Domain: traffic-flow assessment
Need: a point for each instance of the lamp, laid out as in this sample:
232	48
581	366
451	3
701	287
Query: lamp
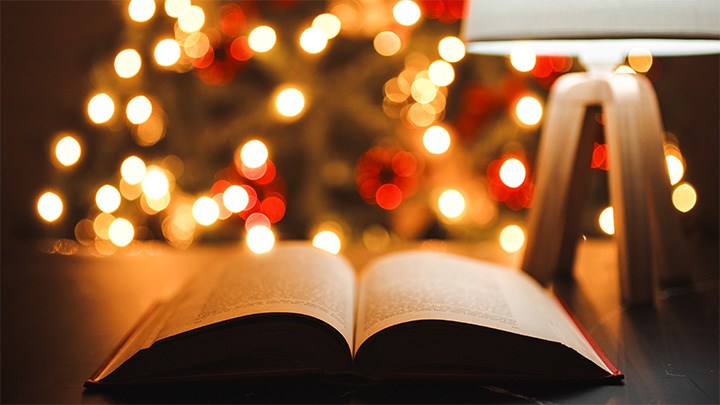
600	33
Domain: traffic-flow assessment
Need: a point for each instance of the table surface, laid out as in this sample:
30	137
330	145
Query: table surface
62	314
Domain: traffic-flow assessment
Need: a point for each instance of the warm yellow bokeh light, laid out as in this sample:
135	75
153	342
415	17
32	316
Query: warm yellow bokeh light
512	238
196	44
529	110
205	211
313	40
436	140
406	12
640	59
49	206
101	224
684	197
676	169
101	108
192	19
108	199
133	170
512	173
254	154
260	239
387	43
67	150
235	198
328	23
155	184
441	73
167	52
452	49
423	90
138	110
606	220
451	204
121	232
262	39
141	10
175	8
624	69
328	241
290	102
522	59
152	206
127	63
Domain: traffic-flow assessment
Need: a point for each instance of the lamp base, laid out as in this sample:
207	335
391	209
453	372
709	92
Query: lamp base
647	229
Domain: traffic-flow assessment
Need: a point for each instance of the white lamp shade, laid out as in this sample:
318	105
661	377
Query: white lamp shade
577	27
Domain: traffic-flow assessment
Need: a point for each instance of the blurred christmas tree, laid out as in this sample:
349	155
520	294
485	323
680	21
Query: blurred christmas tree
362	118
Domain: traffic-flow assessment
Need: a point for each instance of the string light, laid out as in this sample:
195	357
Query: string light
529	110
328	241
522	59
121	232
107	199
676	169
127	63
167	52
441	73
155	184
254	154
387	43
50	206
67	151
236	198
328	23
452	49
512	173
192	19
141	10
260	239
423	90
606	220
138	110
436	140
684	197
262	39
205	211
313	40
406	12
175	8
512	238
133	170
290	102
640	59
101	108
451	204
624	69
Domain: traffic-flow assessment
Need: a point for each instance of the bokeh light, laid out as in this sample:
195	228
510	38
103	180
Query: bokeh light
606	220
290	102
133	170
624	69
127	63
192	19
101	224
167	52
313	40
141	10
328	241
684	197
254	154
121	232
423	90
640	59
67	150
512	238
175	8
529	110
262	39
452	49
451	204
512	173
522	59
406	12
441	73
205	211
260	239
236	198
388	196
676	169
101	108
138	110
108	199
387	43
50	206
328	23
155	184
436	140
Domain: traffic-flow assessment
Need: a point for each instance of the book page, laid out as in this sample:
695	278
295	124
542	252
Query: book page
424	285
294	278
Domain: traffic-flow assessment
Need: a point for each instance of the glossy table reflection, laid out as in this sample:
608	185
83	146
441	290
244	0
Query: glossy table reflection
61	315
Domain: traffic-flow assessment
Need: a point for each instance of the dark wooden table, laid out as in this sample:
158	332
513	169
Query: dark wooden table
62	314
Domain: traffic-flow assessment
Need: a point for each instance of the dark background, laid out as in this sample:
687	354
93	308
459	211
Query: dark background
49	47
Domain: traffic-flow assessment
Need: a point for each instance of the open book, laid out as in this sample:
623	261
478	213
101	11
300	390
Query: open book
298	310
